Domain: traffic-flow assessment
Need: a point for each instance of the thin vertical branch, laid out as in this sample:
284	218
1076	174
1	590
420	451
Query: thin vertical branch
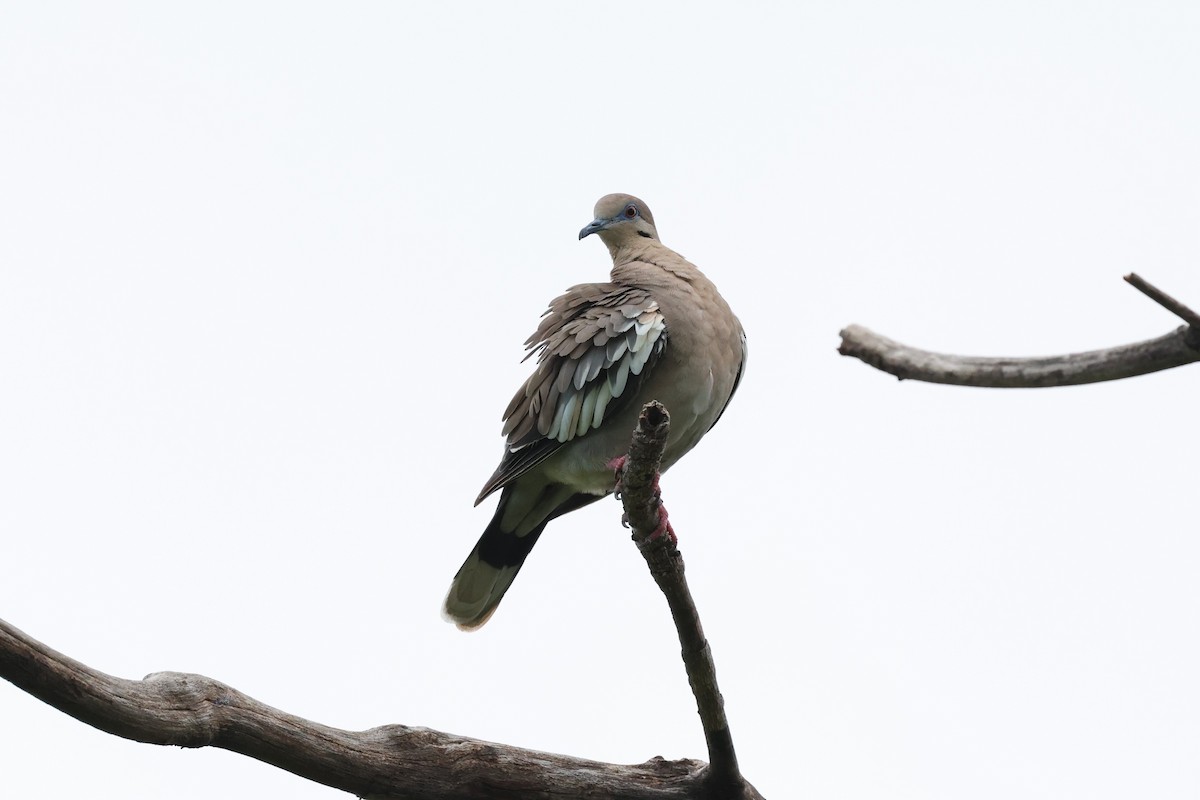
640	497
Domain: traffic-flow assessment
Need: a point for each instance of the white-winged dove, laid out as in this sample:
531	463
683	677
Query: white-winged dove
658	330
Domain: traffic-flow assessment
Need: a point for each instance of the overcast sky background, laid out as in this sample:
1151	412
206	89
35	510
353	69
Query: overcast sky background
266	269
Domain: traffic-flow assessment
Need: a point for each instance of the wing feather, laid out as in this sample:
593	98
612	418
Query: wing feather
602	394
618	377
594	346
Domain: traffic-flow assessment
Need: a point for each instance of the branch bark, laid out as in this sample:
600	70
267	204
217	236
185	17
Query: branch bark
1179	347
391	762
398	762
641	500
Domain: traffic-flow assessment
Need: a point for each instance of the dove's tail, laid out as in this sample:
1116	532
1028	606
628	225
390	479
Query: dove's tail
493	564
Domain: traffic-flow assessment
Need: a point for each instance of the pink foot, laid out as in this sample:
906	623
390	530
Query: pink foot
617	465
664	527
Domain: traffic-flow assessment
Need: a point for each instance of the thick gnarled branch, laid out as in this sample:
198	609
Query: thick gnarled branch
642	504
1181	346
397	761
392	761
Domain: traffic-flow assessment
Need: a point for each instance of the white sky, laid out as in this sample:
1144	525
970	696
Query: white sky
266	269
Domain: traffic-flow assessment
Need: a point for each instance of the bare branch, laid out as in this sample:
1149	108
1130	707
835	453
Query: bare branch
1163	299
640	497
1181	346
911	363
392	761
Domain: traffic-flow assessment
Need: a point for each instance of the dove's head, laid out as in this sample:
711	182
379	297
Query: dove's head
621	219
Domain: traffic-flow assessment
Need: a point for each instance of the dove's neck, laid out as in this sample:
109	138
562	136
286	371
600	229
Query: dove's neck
650	262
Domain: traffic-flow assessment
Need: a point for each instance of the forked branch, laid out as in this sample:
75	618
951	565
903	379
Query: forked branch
1181	346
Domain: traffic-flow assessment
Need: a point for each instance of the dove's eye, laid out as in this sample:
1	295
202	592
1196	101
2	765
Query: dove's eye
630	211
